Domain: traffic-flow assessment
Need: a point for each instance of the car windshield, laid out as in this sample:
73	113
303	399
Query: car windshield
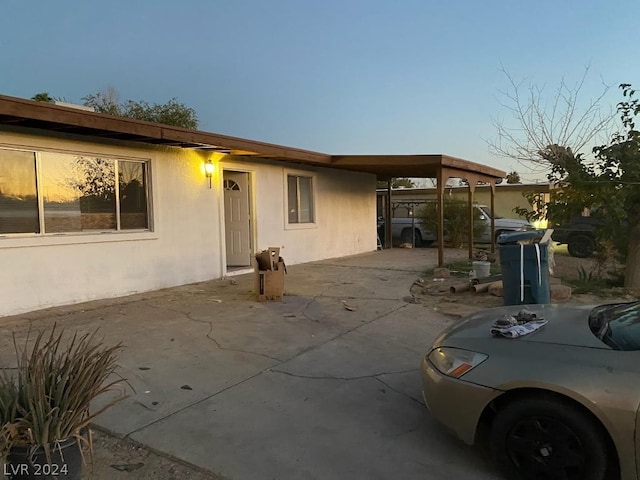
617	325
487	211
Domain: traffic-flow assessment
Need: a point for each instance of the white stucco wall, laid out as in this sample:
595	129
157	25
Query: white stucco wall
187	241
345	211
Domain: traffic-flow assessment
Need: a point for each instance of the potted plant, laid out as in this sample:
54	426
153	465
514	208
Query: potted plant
44	403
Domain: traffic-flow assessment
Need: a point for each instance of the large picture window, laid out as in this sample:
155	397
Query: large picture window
49	192
300	199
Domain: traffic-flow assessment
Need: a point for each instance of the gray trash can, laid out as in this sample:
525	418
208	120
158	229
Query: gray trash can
525	268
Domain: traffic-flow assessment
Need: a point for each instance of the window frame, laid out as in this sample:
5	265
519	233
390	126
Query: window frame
314	204
8	239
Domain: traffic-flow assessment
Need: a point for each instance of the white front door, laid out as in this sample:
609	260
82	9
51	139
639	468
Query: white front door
237	222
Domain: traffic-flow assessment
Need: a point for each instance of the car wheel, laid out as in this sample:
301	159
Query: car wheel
543	438
405	237
581	245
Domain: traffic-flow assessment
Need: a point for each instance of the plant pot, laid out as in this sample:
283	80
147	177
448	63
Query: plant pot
66	463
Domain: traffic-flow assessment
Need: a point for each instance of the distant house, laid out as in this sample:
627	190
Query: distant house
508	196
94	206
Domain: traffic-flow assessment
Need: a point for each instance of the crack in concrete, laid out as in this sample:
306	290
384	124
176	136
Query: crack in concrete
333	377
304	310
197	402
418	401
216	343
257	374
375	376
387	299
384	269
340	335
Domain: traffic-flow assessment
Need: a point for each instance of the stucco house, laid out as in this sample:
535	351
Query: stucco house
94	206
507	196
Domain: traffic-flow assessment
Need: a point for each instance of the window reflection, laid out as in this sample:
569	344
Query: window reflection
133	195
78	193
300	199
306	200
18	194
292	192
71	193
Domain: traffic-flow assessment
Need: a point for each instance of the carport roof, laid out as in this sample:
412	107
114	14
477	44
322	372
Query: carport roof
427	166
18	112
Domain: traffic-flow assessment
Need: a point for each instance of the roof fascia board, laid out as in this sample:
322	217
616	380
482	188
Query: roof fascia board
61	115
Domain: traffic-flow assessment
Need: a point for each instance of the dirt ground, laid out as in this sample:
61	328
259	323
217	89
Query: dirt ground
118	459
436	294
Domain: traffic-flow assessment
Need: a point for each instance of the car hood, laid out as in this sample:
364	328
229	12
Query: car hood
512	223
567	325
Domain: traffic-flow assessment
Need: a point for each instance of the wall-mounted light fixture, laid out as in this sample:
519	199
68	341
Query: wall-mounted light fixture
208	170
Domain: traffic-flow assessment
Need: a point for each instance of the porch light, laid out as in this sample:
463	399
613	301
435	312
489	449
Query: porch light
208	170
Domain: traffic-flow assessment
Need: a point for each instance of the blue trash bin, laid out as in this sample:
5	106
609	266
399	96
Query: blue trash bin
525	268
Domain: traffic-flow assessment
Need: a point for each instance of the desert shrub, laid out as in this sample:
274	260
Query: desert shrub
456	220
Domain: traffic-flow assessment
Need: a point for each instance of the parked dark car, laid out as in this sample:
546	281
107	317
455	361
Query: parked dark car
578	235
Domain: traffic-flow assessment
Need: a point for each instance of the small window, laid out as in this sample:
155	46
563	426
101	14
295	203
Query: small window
231	185
132	186
300	199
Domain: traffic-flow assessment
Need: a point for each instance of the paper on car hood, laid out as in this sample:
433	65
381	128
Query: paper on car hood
567	325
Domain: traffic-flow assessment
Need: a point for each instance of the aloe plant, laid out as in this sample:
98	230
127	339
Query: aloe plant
45	399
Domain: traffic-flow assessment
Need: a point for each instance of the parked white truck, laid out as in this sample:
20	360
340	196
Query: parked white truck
410	230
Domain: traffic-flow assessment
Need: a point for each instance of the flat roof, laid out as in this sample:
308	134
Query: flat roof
409	191
22	113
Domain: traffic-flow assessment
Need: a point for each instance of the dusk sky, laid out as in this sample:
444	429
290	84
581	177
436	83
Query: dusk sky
340	77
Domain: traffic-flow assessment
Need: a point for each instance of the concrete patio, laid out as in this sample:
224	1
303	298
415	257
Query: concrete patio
303	389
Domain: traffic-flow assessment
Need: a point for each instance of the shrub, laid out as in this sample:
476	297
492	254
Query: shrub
456	220
46	399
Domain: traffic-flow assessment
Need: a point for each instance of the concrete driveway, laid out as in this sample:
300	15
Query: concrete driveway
303	389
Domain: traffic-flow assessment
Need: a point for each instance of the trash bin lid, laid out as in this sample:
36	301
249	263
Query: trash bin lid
512	238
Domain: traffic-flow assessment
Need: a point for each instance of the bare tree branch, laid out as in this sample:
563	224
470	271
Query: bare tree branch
532	124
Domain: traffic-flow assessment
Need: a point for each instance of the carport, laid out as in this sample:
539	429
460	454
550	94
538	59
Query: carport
440	167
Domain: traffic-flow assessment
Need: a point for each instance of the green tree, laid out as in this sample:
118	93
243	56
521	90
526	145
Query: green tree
614	184
106	101
43	97
169	113
513	177
609	186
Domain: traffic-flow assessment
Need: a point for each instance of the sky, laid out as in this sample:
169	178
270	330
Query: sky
333	76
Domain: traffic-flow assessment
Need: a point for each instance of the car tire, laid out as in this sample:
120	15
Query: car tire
543	437
405	237
581	245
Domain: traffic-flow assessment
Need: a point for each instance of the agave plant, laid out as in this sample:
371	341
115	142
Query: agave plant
45	399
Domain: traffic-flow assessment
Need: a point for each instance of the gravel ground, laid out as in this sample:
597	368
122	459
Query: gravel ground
117	459
435	294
